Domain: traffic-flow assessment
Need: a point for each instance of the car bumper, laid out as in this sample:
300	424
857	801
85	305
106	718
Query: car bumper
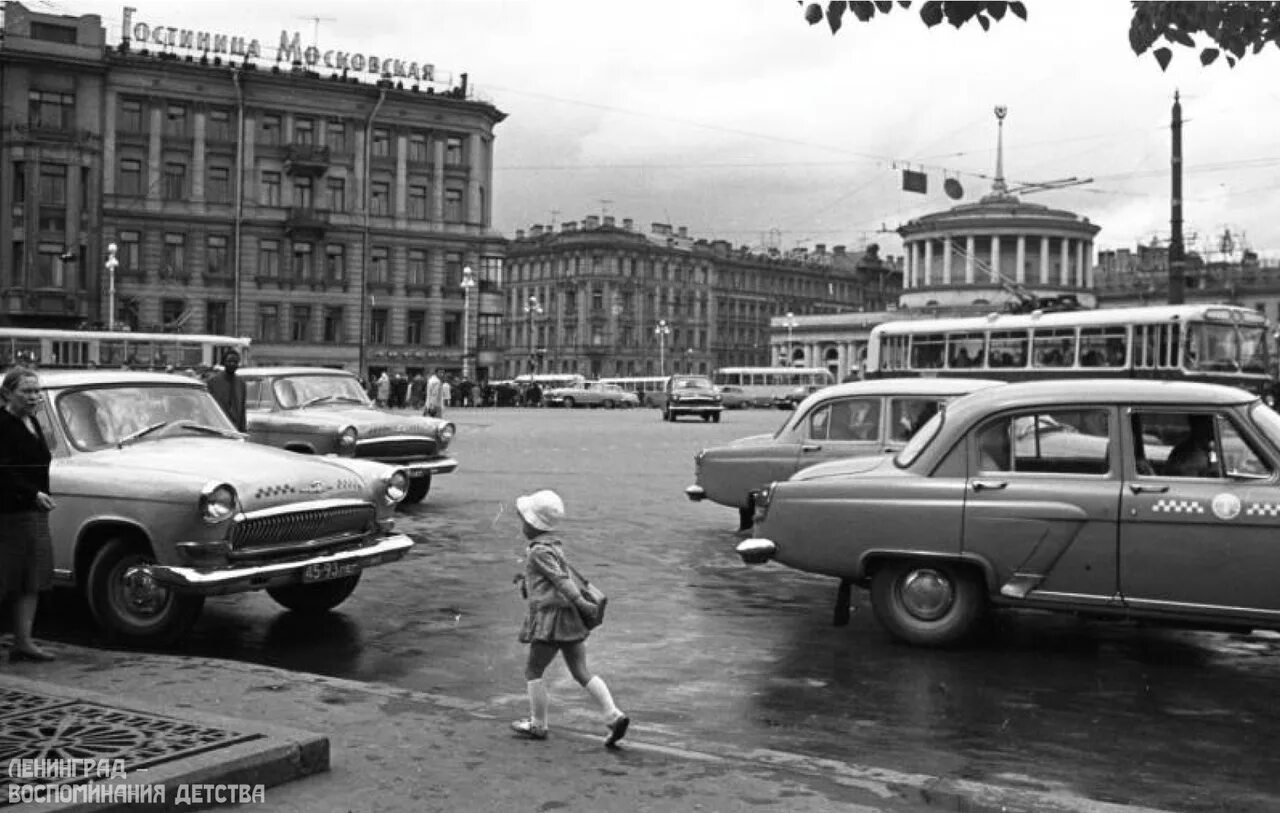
699	409
239	579
442	466
756	551
696	493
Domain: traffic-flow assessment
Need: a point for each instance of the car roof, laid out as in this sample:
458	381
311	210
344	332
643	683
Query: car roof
277	371
58	379
1101	391
909	386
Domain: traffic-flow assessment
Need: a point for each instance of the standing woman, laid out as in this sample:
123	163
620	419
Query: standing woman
26	552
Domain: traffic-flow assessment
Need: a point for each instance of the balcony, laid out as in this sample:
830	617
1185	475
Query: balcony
307	160
306	222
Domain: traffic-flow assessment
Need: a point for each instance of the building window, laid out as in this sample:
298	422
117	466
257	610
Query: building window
335	266
418	202
130	252
269	259
218	189
215	255
452	329
269	323
304	132
336	135
379	267
271	189
174	261
378	326
175	123
381	143
415	330
491	273
19	182
333	333
51	111
302	193
175	181
417	267
131	177
49	32
172	312
337	194
300	323
50	271
418	149
131	120
380	198
269	132
453	205
453	150
302	261
218	125
215	318
53	184
452	271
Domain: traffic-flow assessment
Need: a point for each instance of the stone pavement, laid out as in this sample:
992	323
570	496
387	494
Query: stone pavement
396	750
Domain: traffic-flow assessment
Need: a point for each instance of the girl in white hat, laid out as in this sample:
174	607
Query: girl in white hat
553	623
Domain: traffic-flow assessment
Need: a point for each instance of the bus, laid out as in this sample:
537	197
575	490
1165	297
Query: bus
62	349
651	389
764	385
1220	344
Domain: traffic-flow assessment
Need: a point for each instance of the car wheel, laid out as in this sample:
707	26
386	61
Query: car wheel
927	603
706	418
666	415
609	405
315	598
418	488
715	417
568	403
130	606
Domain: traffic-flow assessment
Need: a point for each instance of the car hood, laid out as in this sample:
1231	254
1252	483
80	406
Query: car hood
877	464
369	422
261	475
753	440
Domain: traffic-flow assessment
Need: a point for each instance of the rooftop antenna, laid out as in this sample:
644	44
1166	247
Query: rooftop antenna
554	214
315	39
604	206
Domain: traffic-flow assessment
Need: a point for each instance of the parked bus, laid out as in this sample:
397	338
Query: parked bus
1221	344
49	349
651	389
763	385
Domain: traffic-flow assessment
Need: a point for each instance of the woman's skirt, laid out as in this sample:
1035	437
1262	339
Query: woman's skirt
555	625
26	554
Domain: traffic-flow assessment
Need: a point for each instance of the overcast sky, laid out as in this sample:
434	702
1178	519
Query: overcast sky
737	119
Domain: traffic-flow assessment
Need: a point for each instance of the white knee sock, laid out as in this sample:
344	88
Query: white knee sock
539	702
600	692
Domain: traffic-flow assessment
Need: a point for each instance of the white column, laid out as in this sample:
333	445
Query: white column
1021	273
946	260
1044	259
1080	272
1088	264
928	261
475	155
968	260
906	266
1065	271
995	257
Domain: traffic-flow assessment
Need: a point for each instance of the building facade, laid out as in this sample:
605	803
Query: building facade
607	299
1140	276
326	217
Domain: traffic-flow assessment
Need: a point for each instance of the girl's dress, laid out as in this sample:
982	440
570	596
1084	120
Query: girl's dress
552	616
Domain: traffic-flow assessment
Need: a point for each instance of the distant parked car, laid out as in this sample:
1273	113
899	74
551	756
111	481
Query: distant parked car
161	502
590	394
1145	500
691	395
315	410
732	397
789	399
845	420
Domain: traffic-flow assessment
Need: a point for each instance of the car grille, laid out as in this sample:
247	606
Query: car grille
396	448
304	525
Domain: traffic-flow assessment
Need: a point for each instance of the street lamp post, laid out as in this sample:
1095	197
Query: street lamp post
112	264
790	322
531	309
468	282
662	330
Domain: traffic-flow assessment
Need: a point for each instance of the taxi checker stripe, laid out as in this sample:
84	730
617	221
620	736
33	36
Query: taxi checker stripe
1256	509
1178	506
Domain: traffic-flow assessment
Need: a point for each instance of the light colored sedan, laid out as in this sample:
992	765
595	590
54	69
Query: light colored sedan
846	420
734	397
591	394
161	502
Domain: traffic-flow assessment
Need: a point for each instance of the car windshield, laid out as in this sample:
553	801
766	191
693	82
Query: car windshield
920	440
693	384
102	417
309	390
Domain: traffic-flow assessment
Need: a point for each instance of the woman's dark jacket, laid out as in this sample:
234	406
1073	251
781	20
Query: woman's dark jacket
24	465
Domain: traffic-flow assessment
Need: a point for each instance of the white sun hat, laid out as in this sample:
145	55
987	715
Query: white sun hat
541	509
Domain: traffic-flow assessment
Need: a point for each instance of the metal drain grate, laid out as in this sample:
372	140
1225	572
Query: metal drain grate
36	727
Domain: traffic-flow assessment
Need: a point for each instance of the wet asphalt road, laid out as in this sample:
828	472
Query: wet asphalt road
701	648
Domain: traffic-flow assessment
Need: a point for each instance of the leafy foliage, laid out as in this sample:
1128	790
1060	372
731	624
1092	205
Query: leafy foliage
1235	28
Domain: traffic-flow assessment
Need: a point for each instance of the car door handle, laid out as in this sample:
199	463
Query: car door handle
989	485
811	447
1139	488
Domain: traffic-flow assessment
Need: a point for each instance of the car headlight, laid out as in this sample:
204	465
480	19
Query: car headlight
715	399
445	434
347	441
217	502
396	486
760	499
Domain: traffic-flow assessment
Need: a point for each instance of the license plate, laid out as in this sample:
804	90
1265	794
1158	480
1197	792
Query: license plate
326	571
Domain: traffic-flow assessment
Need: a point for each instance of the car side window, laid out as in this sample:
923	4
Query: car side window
818	421
1176	444
1239	457
909	414
253	394
854	419
1047	442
